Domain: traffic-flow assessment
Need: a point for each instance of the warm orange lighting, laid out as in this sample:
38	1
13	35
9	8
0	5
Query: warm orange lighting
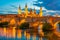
28	36
26	11
5	31
19	10
41	13
22	21
55	25
9	33
12	22
13	32
19	33
35	24
24	33
34	37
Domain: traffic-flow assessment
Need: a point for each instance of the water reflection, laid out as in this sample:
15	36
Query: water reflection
17	34
14	34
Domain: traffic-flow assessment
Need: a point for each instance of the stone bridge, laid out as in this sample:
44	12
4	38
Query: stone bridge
36	21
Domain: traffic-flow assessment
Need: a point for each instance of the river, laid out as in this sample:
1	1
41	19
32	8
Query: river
13	34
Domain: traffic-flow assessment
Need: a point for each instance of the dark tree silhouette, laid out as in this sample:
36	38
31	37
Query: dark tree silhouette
24	26
48	31
4	24
47	28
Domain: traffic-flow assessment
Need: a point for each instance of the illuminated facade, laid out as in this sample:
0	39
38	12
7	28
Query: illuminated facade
27	16
35	20
31	13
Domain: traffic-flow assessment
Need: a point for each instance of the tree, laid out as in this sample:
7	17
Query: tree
48	30
4	24
24	26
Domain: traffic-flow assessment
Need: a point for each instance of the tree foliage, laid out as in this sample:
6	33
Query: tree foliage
48	31
47	28
24	26
4	24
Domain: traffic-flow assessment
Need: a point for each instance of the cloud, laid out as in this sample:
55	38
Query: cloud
49	4
7	12
41	2
13	6
50	11
50	7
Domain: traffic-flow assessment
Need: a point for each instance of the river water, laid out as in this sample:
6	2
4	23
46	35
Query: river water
13	34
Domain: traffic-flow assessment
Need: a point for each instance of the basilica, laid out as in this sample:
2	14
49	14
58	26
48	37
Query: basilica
31	13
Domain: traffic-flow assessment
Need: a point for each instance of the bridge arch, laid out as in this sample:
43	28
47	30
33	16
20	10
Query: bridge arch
21	21
56	25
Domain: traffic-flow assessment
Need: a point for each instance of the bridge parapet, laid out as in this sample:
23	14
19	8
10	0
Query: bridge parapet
56	19
35	19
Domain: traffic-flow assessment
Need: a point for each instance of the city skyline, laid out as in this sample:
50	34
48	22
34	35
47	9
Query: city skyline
11	6
29	19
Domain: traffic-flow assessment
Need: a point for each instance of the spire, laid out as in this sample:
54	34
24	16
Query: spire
26	11
19	10
34	11
26	6
30	11
41	13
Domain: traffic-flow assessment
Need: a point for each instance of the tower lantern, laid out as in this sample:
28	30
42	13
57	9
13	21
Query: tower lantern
34	11
26	11
41	13
19	10
30	11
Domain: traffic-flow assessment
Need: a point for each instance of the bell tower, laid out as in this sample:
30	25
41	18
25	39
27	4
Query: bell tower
26	11
34	11
19	10
30	11
41	13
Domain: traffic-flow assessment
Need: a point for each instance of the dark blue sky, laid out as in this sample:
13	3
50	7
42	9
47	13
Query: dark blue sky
11	6
49	4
